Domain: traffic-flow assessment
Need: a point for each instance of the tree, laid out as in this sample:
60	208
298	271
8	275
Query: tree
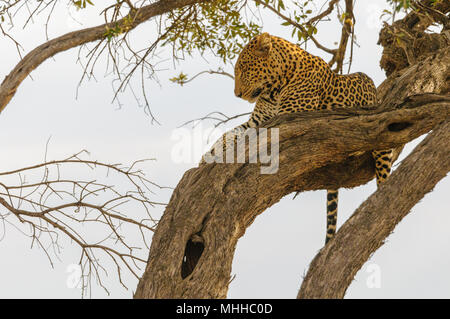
415	61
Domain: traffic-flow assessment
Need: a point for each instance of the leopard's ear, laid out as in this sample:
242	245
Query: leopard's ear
263	45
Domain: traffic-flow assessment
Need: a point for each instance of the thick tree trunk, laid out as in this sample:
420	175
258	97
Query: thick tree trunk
334	268
213	205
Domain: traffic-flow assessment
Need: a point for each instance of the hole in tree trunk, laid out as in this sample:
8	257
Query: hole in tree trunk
397	127
192	253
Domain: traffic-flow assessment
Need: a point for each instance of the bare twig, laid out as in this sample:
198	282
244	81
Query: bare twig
297	25
53	206
78	38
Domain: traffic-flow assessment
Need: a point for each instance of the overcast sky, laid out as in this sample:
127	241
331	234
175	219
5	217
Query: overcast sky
276	250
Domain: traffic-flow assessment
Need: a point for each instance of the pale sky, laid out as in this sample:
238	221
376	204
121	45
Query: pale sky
276	250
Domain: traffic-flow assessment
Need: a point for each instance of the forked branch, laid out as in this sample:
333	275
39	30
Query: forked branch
96	215
214	204
77	38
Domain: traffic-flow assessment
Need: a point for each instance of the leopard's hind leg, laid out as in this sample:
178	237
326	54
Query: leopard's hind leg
383	165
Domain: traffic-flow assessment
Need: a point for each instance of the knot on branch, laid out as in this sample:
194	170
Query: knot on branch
402	49
407	41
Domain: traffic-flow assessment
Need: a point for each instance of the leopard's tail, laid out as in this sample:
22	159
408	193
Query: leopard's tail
332	202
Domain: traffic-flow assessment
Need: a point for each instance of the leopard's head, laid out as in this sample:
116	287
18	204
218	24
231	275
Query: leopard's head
256	70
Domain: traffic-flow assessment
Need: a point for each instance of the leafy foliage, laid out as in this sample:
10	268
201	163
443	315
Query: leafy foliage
81	4
180	79
299	13
218	27
119	28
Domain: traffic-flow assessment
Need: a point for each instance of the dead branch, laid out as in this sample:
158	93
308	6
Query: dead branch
52	206
218	117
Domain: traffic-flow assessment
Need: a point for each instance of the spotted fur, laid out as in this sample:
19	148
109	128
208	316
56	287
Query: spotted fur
283	78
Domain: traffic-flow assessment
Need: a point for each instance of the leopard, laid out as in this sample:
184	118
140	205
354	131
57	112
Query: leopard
280	77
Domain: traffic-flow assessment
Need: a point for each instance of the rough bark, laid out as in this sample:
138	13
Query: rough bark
417	63
214	204
430	75
334	268
73	39
405	42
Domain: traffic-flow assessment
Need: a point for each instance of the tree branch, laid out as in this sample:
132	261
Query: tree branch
333	269
297	25
348	20
405	41
73	39
320	16
48	207
214	204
